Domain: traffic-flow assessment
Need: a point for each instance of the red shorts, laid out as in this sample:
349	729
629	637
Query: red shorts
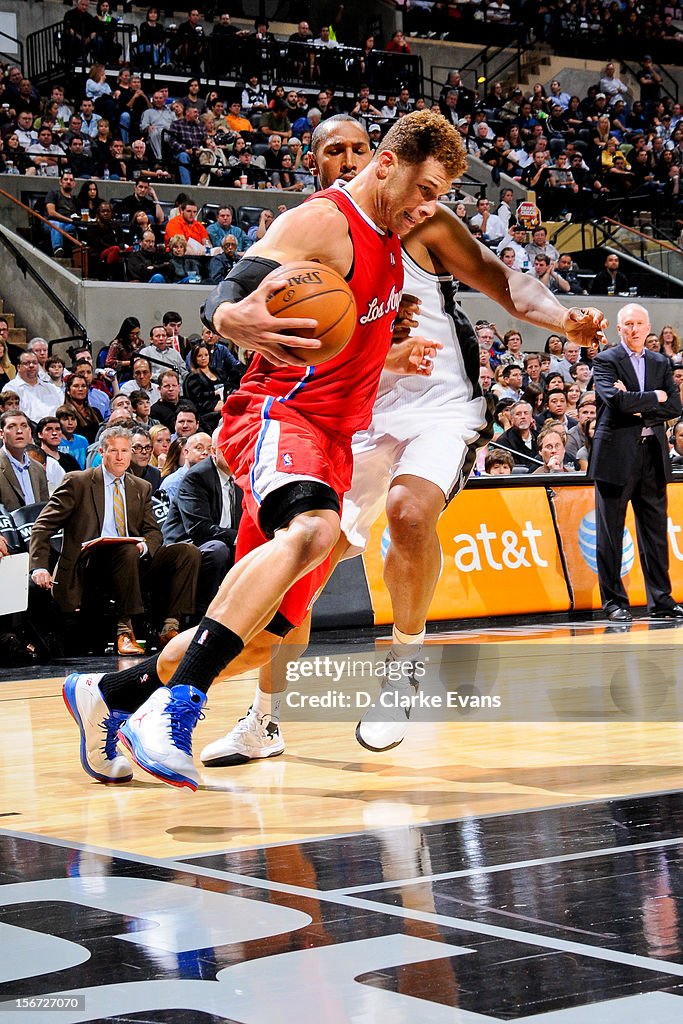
267	446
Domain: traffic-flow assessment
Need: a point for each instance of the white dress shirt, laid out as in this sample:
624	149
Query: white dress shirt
109	522
35	400
21	471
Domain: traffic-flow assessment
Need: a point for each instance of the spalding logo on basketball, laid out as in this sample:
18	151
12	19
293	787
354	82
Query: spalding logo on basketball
319	292
587	545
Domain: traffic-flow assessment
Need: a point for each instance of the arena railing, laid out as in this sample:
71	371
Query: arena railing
26	267
343	68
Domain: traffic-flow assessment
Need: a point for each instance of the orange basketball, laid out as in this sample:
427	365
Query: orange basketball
316	291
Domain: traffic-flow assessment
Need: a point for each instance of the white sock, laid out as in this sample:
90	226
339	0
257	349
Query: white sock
406	645
267	704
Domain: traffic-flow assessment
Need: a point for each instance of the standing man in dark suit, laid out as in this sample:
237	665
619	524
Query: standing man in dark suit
206	511
22	481
110	502
630	462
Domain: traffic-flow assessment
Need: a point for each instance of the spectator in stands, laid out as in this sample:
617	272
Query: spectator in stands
463	101
45	154
254	96
161	353
155	121
186	137
186	224
275	121
41	351
171	572
610	280
72	443
537	176
221	264
37	398
60	210
544	271
520	437
51	438
88	418
224	226
104	246
512	379
77	161
517	242
245	172
89	119
141	405
190	44
539	243
97	397
187	419
552	450
497	463
22	481
166	408
670	345
235	119
7	369
146	264
492	227
577	436
183	268
79	33
152	44
612	86
124	347
556	409
141	453
204	388
196	447
161	440
142	380
565	269
143	197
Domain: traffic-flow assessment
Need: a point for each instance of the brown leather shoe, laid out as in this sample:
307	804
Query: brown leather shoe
165	638
127	645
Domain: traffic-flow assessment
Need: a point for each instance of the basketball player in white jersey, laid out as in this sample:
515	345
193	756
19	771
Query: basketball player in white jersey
419	449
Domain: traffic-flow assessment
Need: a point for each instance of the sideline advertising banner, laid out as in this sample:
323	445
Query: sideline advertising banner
500	557
575	512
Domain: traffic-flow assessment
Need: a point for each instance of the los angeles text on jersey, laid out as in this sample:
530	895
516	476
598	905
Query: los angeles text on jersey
377	309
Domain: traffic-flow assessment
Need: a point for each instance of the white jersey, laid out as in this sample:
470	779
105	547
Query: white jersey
452	387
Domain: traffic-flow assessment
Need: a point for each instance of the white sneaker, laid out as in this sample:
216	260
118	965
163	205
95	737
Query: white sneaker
253	737
159	734
98	726
384	725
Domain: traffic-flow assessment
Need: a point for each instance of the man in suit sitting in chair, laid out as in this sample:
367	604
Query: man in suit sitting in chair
22	481
108	502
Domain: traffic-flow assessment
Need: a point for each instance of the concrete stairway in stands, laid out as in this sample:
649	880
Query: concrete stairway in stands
17	335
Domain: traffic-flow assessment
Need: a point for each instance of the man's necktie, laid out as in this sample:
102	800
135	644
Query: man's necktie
119	510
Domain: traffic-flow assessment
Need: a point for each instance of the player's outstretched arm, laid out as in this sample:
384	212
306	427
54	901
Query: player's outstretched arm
520	294
236	309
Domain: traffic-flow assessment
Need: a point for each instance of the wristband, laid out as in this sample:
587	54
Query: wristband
243	279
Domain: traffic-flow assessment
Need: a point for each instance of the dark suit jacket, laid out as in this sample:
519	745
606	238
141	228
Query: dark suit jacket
618	428
197	508
523	456
77	505
11	494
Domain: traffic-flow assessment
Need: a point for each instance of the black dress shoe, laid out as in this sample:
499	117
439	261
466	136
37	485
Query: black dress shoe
675	612
620	615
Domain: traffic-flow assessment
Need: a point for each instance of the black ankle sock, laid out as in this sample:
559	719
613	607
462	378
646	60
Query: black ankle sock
212	648
128	689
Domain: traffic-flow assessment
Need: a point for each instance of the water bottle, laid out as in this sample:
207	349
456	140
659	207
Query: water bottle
105	174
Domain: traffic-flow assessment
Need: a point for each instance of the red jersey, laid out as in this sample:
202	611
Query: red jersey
337	396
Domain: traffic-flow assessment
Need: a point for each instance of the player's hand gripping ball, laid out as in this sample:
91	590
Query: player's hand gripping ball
316	291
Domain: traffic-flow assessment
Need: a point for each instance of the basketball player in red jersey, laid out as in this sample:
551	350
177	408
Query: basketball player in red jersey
287	431
396	461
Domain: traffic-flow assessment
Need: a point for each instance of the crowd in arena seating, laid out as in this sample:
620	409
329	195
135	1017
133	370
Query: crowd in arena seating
536	394
163	392
569	26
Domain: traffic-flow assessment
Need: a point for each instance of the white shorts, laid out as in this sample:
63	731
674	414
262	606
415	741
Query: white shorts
433	447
